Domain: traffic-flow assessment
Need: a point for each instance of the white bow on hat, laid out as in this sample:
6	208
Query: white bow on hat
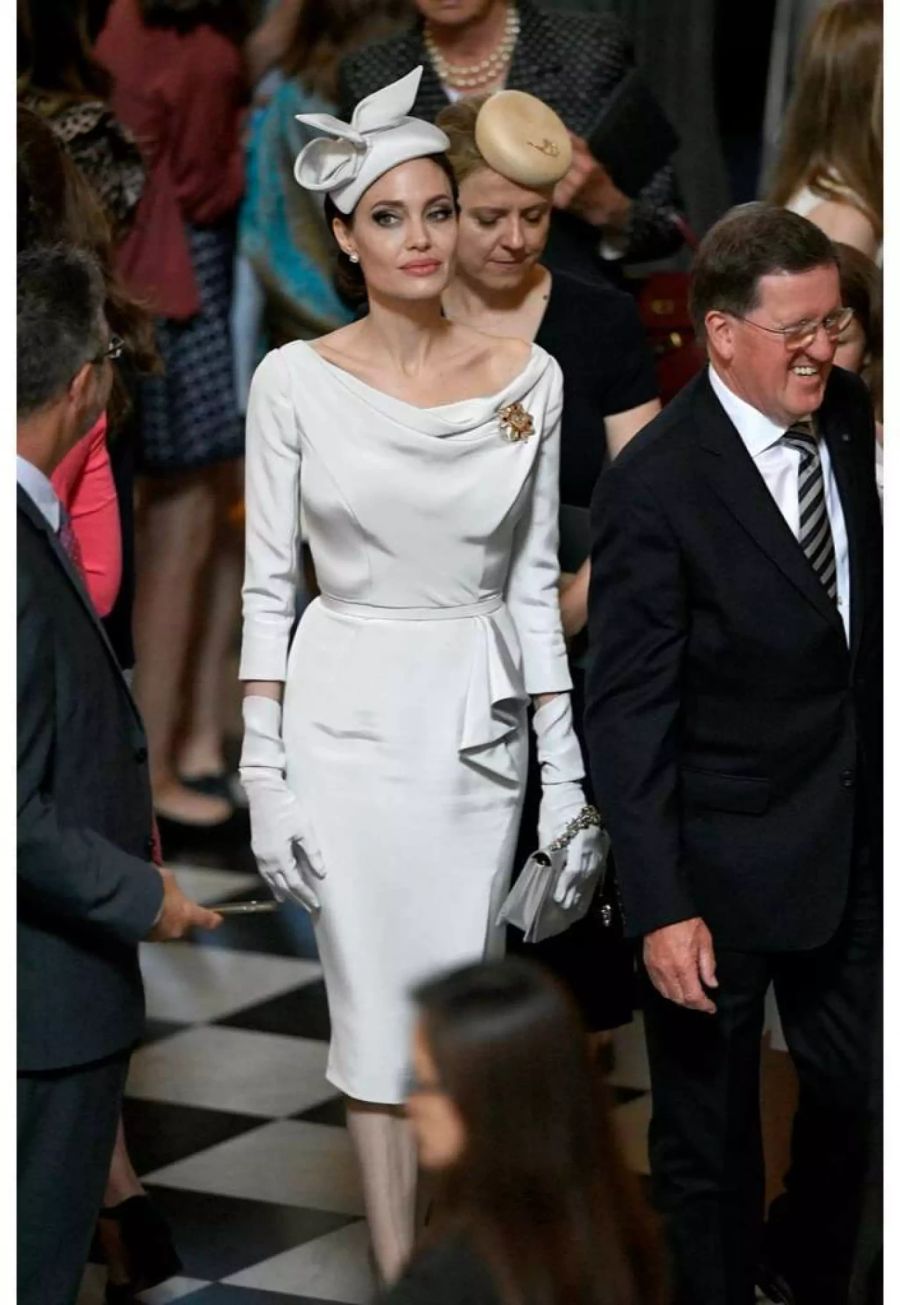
378	138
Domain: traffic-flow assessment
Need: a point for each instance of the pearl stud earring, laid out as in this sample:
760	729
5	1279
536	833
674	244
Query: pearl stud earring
354	258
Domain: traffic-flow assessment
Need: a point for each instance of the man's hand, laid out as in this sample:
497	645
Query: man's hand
588	190
679	957
179	914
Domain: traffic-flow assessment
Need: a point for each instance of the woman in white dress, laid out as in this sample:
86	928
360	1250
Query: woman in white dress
385	792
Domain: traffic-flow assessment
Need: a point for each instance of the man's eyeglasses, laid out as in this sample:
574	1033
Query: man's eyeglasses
112	351
801	334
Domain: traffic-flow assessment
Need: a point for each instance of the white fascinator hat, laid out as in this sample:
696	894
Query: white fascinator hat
379	136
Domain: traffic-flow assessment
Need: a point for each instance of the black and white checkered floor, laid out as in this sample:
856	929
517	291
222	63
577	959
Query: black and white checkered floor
230	1121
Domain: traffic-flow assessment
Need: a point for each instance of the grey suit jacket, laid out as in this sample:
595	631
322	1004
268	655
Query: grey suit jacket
87	891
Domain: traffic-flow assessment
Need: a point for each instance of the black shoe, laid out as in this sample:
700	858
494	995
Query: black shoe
774	1286
146	1239
210	785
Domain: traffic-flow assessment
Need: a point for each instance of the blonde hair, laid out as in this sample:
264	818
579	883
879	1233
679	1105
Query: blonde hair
833	136
458	121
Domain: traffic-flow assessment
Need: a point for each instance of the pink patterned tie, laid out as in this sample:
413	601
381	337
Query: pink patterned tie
69	540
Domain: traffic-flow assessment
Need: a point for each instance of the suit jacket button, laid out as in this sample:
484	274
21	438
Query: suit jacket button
149	846
140	755
848	779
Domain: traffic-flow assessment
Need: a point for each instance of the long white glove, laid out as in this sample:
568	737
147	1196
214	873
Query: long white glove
562	770
281	836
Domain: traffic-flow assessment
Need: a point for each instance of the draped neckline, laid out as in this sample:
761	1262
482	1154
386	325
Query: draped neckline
456	417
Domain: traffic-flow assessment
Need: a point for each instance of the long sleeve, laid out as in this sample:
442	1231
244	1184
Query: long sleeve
272	496
70	872
650	231
532	586
84	483
638	629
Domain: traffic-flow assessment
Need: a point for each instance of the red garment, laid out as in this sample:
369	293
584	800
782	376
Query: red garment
84	484
182	95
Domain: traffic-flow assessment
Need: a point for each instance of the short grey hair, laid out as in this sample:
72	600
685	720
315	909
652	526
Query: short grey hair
59	321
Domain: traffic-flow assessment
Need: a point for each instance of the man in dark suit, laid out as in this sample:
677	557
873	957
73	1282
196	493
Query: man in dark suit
87	890
574	63
733	722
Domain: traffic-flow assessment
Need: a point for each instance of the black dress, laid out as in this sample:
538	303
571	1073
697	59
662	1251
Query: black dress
595	334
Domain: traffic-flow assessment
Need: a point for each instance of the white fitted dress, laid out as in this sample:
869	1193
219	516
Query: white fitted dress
406	684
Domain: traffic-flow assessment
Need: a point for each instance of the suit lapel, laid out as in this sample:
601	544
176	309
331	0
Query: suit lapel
731	473
39	521
838	437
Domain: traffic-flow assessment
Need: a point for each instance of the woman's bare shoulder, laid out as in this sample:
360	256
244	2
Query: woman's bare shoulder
337	344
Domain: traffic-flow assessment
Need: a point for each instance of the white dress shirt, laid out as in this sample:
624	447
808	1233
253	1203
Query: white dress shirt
779	466
39	490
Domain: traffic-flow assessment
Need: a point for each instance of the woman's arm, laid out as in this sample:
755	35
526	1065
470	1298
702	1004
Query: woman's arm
532	586
85	485
272	488
621	427
573	590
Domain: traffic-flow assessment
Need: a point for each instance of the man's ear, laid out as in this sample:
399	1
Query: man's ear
342	236
79	385
720	335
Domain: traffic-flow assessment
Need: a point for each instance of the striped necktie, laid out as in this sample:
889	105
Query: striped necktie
815	528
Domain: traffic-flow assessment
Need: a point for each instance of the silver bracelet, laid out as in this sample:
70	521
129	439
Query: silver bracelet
588	818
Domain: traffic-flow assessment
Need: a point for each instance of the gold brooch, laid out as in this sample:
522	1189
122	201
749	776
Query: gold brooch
548	147
515	423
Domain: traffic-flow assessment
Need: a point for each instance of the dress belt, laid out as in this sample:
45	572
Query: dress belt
368	612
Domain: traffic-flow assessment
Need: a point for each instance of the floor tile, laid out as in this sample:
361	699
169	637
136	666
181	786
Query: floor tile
290	1161
186	982
630	1122
219	1294
630	1068
232	1069
333	1112
302	1012
156	1030
174	1289
218	1235
93	1285
332	1268
160	1132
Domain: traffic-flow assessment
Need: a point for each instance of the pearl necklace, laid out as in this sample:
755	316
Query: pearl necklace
470	76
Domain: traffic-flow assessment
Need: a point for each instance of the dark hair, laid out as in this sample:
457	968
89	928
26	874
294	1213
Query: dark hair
56	204
861	291
750	242
327	30
54	41
230	17
348	277
540	1190
59	315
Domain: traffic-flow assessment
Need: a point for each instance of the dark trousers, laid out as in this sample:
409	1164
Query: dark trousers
705	1137
66	1130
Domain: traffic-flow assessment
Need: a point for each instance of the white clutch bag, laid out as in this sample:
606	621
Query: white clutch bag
530	905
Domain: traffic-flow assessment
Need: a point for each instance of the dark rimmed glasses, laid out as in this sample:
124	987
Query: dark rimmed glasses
802	334
112	351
